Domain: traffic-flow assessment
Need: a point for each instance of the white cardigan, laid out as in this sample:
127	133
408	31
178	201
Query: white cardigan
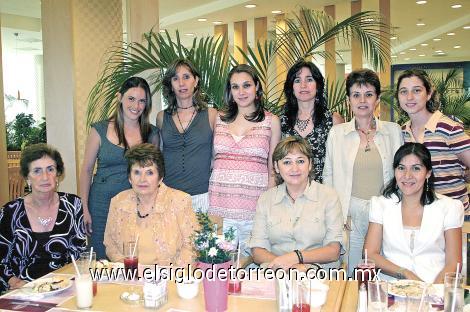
428	256
341	150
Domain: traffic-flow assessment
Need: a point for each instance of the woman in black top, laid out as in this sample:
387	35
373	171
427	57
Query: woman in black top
39	232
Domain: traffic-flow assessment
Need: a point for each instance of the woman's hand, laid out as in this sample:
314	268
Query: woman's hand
284	262
410	275
87	221
16	283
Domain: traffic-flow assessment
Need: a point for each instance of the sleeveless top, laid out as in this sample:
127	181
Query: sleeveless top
316	139
111	164
187	156
240	172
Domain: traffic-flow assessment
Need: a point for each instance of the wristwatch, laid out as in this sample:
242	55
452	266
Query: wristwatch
400	273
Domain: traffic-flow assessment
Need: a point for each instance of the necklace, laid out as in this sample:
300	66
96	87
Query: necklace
189	123
44	222
302	124
366	133
180	107
138	212
288	194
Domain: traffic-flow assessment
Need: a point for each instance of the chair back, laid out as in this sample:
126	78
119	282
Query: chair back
16	183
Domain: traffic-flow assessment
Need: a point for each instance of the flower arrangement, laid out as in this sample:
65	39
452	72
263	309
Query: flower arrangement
211	248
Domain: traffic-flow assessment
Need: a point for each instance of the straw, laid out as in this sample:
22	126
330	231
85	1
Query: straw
238	256
75	266
135	246
91	256
378	292
365	256
422	297
454	297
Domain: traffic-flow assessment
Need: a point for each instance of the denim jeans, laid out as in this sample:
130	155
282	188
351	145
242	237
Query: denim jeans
359	212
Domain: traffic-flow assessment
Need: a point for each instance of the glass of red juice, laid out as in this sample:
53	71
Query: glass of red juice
364	272
131	259
301	296
234	284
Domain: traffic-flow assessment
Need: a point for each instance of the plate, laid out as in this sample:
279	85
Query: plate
47	286
406	288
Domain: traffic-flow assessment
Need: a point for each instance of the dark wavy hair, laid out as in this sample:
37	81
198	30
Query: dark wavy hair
118	117
291	107
420	151
231	108
288	145
167	89
144	155
362	77
433	103
38	151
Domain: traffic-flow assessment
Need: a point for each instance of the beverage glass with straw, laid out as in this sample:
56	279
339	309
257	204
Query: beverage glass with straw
234	284
86	264
377	296
83	288
131	259
453	291
365	271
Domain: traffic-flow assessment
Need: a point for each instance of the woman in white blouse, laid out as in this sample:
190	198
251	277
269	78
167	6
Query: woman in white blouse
418	231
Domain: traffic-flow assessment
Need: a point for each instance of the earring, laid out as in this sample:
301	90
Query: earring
29	186
427	185
57	184
317	100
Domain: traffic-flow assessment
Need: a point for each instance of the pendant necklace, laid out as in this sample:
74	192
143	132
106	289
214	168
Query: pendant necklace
45	221
366	133
302	124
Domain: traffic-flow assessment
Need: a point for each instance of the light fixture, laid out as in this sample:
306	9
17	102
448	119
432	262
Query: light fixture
422	55
436	39
466	27
424	44
202	19
162	30
438	51
456	6
457	47
420	24
412	49
450	34
421	2
402	53
369	20
393	38
393	56
407	58
276	12
250	6
217	22
441	53
190	34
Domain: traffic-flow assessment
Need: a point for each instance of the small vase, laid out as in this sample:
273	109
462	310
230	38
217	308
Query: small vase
215	290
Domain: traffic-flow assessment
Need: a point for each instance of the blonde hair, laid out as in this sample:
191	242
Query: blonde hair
287	146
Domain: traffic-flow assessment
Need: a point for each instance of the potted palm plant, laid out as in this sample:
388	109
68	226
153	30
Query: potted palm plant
307	32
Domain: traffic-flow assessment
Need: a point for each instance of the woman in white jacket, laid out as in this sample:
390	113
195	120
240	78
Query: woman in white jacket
418	231
359	158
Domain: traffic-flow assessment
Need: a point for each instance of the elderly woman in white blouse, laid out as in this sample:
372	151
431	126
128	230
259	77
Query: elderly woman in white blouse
298	222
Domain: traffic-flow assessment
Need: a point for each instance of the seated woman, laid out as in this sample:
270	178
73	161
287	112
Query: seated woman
299	221
160	216
418	231
39	232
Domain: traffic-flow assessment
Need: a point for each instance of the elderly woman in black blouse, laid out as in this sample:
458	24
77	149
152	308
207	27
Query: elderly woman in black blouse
39	232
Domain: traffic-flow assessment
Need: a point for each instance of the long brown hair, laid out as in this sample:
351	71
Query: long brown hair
144	123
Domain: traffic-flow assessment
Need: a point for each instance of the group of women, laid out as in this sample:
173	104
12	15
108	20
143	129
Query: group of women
328	189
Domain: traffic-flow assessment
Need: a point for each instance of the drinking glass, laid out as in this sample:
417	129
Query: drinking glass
301	295
131	260
84	291
377	296
87	263
453	292
234	284
364	272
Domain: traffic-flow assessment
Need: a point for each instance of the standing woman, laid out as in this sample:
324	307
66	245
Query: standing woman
244	139
186	130
306	113
359	158
107	142
443	137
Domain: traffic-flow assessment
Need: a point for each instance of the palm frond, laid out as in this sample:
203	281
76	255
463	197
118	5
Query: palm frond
336	98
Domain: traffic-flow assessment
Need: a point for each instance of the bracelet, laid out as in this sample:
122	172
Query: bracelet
400	273
299	256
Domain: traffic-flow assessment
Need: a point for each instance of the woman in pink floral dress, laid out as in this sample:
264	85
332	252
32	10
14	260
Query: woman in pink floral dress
245	136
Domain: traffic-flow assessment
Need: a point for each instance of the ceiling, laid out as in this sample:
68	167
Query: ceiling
440	19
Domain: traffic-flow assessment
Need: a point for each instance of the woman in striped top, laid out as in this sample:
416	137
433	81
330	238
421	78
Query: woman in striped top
444	137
